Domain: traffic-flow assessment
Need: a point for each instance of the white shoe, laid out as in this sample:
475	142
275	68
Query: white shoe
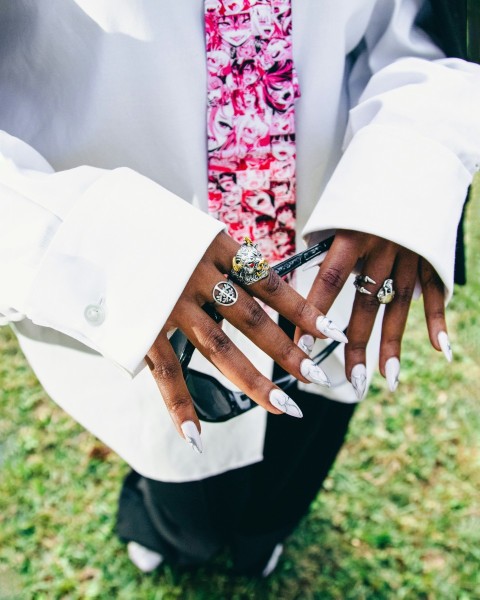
273	560
143	558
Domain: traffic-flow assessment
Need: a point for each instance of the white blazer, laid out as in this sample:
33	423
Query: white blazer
103	193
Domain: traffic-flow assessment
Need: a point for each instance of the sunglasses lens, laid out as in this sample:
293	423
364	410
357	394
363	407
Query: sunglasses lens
211	400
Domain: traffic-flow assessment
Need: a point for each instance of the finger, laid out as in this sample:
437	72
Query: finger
404	275
209	338
168	376
378	266
286	301
245	313
334	271
279	295
248	316
434	306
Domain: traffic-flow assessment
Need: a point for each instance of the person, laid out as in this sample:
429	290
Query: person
107	246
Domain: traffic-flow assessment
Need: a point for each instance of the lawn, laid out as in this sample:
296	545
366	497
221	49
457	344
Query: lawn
399	517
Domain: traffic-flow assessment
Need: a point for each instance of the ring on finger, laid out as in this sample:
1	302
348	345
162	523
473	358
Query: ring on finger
224	293
248	265
386	293
360	282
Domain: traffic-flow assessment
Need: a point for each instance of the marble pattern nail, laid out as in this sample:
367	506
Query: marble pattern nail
444	343
314	373
192	436
358	378
306	343
392	372
280	400
328	328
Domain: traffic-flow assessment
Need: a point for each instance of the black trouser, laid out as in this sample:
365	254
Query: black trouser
250	509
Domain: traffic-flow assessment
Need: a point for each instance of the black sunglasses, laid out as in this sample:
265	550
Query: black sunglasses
214	402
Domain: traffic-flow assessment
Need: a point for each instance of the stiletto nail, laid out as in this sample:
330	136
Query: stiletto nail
314	373
330	330
306	343
358	378
444	343
392	372
192	436
280	400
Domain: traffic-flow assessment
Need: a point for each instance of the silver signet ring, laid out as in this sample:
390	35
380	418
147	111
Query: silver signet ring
224	293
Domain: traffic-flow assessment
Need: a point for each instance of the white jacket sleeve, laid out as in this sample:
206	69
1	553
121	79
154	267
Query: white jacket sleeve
99	255
412	145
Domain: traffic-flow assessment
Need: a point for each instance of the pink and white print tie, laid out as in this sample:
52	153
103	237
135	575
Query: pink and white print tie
251	132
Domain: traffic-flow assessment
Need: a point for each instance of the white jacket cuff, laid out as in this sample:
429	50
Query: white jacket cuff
401	186
127	248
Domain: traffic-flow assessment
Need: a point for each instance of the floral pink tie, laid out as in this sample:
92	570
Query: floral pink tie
251	132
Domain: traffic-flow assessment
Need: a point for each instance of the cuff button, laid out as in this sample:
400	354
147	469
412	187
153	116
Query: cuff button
95	314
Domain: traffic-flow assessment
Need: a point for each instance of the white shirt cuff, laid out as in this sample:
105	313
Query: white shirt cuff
401	186
118	264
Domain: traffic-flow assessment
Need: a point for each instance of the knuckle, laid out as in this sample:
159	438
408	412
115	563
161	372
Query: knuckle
370	304
303	310
332	278
436	314
285	350
167	370
356	347
403	295
272	283
430	279
255	316
178	405
217	343
393	342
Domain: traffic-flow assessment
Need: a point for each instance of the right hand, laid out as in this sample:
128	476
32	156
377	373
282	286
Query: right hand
249	317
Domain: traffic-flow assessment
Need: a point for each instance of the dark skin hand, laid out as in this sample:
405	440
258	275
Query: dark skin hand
382	259
247	316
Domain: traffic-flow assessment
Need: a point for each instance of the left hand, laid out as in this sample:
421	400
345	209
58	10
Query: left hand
382	260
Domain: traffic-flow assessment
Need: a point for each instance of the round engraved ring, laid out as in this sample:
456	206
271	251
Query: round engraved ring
224	293
386	293
248	265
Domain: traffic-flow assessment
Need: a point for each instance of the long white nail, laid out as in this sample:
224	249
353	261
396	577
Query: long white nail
314	373
444	343
192	436
358	378
330	330
306	343
284	403
392	372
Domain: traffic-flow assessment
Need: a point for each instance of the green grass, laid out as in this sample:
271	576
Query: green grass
399	517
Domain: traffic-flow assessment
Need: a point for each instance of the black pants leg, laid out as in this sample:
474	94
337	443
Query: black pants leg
252	508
